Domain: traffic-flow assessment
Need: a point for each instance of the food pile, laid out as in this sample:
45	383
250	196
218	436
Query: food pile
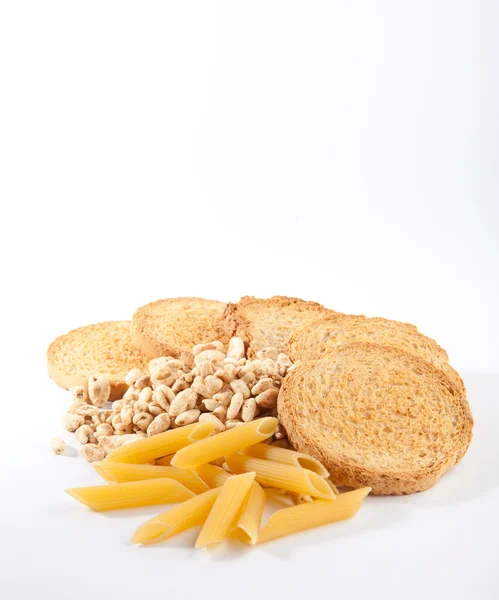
373	400
207	385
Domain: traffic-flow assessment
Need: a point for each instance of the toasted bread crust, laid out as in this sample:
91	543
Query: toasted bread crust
319	337
377	416
101	349
172	325
278	316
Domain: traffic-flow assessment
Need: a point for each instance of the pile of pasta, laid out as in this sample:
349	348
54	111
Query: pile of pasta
182	466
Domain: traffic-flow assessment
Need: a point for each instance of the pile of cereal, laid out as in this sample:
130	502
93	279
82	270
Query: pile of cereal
207	385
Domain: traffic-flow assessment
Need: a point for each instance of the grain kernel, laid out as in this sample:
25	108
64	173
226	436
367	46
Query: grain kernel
132	376
71	422
210	418
235	405
187	417
85	435
266	383
99	390
92	453
236	348
159	424
210	346
80	393
142	420
238	386
268	398
212	355
57	445
249	409
184	400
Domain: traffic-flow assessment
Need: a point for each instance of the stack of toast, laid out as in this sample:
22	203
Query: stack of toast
375	400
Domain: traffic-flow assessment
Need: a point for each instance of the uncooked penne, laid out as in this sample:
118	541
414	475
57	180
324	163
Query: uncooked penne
224	443
189	514
131	494
162	444
247	526
213	476
312	514
286	477
287	457
224	512
332	486
123	472
165	461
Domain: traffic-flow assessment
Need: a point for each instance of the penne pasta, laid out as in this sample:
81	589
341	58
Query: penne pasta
165	461
312	514
224	512
131	494
333	487
212	476
123	472
189	514
162	444
224	443
248	521
287	457
286	477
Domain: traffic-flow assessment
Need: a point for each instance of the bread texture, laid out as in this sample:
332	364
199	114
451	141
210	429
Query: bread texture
269	322
318	338
102	349
310	341
168	327
376	416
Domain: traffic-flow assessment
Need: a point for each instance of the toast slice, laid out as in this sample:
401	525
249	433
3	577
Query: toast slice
168	327
376	416
318	338
269	322
309	342
103	349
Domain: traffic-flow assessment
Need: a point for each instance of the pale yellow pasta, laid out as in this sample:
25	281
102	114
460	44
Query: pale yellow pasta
184	516
213	476
223	515
227	442
131	494
162	444
123	472
287	457
247	526
312	514
286	477
165	461
332	486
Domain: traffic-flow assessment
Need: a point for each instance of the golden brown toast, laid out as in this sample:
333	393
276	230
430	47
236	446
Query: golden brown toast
269	322
102	349
168	327
318	338
376	416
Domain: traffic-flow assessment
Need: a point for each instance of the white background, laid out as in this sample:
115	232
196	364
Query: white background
345	152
